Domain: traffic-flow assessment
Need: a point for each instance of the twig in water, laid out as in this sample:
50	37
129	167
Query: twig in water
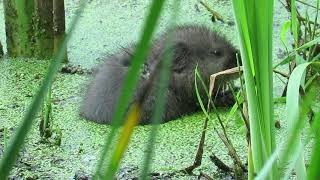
214	13
221	165
202	174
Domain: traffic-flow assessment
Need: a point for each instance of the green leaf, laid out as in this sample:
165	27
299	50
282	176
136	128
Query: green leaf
290	151
254	24
286	60
293	109
283	32
309	44
313	170
291	56
197	75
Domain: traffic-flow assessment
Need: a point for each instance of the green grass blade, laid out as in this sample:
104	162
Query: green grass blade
254	23
313	170
288	148
293	110
291	56
284	30
197	75
286	60
294	156
161	96
131	80
12	151
265	171
235	107
309	44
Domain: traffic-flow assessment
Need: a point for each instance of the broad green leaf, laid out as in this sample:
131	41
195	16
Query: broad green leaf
293	109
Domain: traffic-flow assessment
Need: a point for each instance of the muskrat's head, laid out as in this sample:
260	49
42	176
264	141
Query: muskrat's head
197	45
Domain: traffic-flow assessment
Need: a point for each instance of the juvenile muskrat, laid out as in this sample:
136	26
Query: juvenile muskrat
192	45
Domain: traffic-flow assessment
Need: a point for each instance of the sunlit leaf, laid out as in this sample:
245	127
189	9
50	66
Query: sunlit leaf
283	32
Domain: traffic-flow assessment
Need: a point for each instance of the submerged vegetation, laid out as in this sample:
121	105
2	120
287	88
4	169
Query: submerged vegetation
265	158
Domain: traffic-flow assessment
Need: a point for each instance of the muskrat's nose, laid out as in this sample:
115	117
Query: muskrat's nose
238	57
232	62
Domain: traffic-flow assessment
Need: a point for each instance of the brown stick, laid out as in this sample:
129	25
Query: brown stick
202	174
281	73
231	150
198	158
214	13
221	165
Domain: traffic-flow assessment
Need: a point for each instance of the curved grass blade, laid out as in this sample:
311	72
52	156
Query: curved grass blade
12	151
289	145
132	77
293	110
297	154
164	79
235	107
284	30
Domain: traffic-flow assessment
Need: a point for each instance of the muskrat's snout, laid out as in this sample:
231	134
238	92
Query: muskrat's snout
238	58
233	58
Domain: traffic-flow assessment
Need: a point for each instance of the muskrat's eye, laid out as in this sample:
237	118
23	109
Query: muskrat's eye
125	62
215	52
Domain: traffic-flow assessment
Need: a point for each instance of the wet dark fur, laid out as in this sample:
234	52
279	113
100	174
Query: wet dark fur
192	45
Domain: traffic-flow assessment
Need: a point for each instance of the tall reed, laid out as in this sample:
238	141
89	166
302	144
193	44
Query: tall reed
254	23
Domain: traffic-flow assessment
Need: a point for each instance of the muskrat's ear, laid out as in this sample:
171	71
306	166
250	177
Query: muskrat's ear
181	52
